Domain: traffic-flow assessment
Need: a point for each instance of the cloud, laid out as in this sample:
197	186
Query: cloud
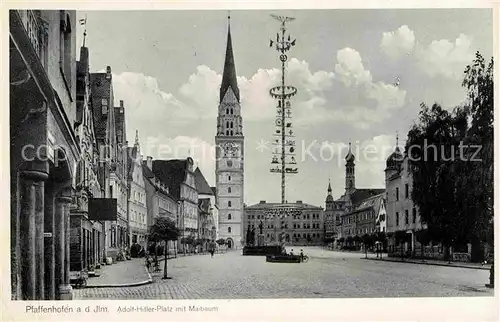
350	68
352	97
399	42
445	58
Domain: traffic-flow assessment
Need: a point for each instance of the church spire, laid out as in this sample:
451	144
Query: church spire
229	74
329	187
136	137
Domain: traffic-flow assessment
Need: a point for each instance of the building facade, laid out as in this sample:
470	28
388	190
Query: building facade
111	169
292	223
208	223
402	215
86	236
44	151
178	176
362	219
159	201
229	167
137	208
119	180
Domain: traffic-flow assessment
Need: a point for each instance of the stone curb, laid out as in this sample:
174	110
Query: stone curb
148	281
432	264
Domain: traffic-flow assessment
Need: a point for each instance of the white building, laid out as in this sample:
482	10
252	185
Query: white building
137	209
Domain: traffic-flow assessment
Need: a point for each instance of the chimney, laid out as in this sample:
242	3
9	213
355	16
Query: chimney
262	202
149	162
299	201
108	72
121	106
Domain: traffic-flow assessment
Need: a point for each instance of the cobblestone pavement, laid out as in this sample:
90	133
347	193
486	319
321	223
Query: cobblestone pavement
327	275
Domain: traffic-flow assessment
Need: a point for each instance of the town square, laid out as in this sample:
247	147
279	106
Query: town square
250	154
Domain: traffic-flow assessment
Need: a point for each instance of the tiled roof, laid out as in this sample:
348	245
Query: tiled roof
172	173
100	88
146	171
271	205
202	185
359	195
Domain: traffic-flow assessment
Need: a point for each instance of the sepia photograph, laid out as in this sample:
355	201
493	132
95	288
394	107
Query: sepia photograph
250	154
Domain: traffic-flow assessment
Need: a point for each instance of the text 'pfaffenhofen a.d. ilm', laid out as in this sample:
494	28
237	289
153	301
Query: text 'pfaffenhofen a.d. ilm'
42	309
165	309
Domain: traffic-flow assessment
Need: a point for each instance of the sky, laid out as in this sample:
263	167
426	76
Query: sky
361	76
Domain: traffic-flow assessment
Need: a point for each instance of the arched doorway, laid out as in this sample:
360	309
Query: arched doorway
230	243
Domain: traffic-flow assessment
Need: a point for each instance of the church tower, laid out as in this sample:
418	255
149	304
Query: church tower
229	143
350	182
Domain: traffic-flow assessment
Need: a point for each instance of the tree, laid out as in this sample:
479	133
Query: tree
452	184
367	241
221	241
423	237
401	237
164	230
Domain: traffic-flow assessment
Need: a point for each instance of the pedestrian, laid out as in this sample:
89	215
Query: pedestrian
148	263
212	252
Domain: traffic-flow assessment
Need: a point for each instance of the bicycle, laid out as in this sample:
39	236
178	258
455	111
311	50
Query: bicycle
304	258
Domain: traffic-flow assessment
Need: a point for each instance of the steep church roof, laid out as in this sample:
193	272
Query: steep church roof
229	74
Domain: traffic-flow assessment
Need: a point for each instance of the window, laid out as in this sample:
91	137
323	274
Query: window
227	111
229	203
406	217
397	193
397	218
414	215
229	163
229	178
229	229
104	102
227	124
406	191
229	190
229	217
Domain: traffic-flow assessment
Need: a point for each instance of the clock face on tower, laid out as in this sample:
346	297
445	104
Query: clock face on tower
230	149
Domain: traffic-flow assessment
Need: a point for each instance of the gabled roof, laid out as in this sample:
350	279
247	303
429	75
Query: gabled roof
172	173
201	183
359	195
146	171
229	73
